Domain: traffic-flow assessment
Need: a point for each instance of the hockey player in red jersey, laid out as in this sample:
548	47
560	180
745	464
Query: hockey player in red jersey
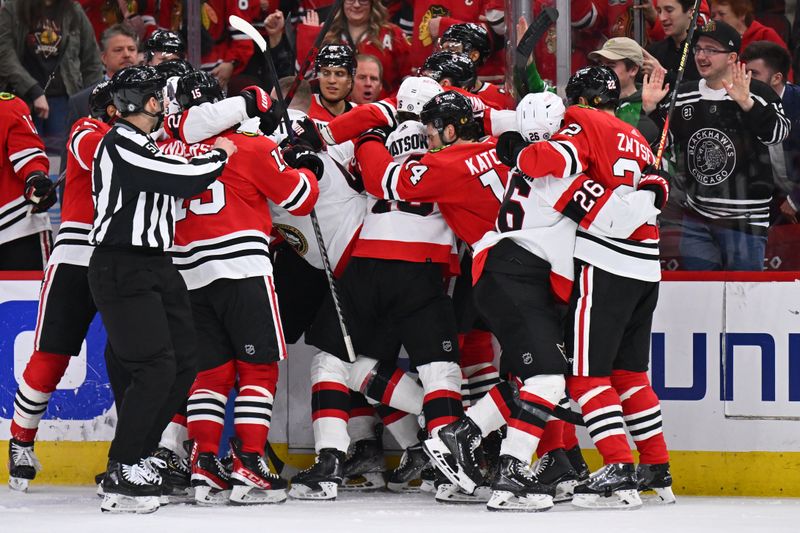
608	341
232	298
66	307
26	191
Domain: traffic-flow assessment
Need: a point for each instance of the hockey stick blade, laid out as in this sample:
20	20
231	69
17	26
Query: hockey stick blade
238	23
536	31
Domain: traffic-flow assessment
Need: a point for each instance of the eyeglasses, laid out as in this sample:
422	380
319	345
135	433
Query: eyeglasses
698	50
357	2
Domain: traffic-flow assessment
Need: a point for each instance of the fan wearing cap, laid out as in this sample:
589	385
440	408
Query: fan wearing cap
624	56
721	128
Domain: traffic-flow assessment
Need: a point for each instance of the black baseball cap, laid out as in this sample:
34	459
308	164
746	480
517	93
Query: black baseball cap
721	32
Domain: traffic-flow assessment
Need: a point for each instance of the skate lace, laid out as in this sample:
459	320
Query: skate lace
523	470
140	474
264	469
541	465
153	465
24	456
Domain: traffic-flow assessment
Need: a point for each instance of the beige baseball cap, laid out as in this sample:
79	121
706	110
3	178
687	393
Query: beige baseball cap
619	48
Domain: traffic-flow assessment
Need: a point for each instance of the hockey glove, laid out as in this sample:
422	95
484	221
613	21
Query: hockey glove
307	131
39	191
379	134
656	181
259	105
301	155
509	145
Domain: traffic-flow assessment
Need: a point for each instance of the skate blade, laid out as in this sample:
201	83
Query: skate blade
658	496
118	503
439	453
205	495
365	481
18	484
565	490
182	495
428	486
414	485
451	494
327	491
619	499
246	495
502	500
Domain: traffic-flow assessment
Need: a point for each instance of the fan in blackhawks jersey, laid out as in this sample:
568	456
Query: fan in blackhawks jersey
65	302
619	276
232	298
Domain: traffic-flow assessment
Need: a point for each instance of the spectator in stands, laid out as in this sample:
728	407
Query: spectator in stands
675	17
47	54
739	14
364	26
367	86
721	127
769	62
140	16
624	57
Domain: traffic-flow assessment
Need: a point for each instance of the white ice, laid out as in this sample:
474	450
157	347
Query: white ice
77	510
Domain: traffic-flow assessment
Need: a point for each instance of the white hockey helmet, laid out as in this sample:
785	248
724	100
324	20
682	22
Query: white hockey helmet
539	115
416	92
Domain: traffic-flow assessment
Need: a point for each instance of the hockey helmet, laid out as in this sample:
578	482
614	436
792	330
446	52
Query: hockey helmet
174	67
197	88
450	108
102	96
471	37
336	55
164	41
539	116
133	87
599	85
458	68
414	93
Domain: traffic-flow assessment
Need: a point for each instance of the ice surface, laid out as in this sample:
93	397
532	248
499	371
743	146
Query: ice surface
76	509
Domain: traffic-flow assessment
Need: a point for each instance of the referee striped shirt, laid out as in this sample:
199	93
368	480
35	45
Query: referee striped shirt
134	186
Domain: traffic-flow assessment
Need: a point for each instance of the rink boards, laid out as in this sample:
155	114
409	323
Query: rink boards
725	362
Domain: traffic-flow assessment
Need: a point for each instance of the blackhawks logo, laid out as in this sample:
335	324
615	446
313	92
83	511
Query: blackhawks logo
434	11
711	156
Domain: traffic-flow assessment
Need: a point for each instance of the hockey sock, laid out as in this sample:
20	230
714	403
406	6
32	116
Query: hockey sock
602	412
330	402
493	410
441	382
569	436
174	435
205	409
537	397
363	418
552	438
252	409
642	412
384	383
39	380
477	365
404	427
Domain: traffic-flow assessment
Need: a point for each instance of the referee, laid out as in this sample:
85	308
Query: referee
140	295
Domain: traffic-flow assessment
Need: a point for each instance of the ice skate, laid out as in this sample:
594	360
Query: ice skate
210	480
554	468
252	481
130	489
428	477
22	465
364	469
658	479
457	453
612	487
450	493
516	488
176	477
575	457
321	480
407	476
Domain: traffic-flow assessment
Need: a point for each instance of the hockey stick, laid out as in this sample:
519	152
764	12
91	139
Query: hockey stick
301	74
248	29
662	143
527	43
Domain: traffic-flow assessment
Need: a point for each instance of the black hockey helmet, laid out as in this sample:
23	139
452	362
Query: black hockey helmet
164	41
197	88
599	85
471	36
458	68
102	96
450	108
174	67
336	55
133	86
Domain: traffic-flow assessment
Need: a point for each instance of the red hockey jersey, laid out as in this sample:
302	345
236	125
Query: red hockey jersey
21	152
229	44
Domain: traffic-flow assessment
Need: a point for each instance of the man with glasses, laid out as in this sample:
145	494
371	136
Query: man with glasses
721	129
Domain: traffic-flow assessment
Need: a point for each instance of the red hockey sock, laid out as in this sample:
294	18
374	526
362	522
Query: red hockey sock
642	412
253	406
205	409
569	436
552	438
39	380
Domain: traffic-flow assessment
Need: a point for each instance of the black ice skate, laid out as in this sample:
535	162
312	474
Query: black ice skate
22	464
456	452
364	468
252	481
575	457
407	476
427	477
210	480
554	468
516	488
321	480
175	474
658	479
612	487
130	488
